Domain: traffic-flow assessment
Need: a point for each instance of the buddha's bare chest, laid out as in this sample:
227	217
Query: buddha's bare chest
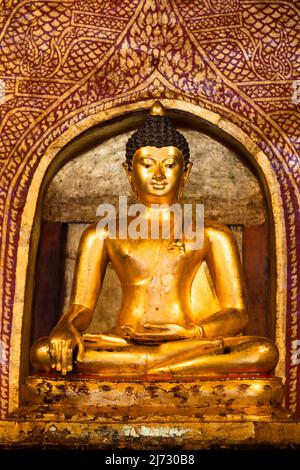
141	260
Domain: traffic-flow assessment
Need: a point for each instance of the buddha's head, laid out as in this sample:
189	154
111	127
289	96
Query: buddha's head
157	160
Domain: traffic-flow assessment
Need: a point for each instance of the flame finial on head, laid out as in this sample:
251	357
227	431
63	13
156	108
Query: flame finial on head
157	109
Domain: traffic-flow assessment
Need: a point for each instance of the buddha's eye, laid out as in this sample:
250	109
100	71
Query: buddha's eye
170	164
147	163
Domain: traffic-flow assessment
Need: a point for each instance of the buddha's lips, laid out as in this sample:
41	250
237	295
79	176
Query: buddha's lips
159	185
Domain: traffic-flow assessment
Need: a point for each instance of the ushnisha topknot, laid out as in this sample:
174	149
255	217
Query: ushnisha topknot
157	131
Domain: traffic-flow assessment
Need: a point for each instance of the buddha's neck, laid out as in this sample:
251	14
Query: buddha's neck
159	211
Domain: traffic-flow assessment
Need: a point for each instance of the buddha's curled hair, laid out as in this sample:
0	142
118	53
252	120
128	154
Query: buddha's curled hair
157	131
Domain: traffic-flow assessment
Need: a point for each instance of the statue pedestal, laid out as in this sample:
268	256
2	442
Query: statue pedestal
150	413
83	398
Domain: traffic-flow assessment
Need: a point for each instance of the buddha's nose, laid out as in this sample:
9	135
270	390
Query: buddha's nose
159	172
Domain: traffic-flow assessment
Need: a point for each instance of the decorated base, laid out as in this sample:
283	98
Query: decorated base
159	436
84	398
150	413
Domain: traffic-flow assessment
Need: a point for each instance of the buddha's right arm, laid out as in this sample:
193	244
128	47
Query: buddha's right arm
89	272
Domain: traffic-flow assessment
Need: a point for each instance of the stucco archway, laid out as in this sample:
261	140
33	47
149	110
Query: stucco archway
59	151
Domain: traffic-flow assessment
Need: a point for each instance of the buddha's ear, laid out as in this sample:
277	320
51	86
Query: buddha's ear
127	171
187	172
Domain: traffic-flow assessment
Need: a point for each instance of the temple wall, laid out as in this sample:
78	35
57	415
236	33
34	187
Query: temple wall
68	66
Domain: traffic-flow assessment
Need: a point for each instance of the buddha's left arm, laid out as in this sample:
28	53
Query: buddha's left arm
223	261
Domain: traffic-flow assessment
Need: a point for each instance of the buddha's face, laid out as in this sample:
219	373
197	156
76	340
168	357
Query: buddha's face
158	174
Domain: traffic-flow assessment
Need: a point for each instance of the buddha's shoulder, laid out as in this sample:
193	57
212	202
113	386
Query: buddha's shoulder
94	232
214	230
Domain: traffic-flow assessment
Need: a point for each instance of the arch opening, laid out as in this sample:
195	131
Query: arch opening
124	122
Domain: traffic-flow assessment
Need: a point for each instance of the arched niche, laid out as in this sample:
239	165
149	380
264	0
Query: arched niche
97	129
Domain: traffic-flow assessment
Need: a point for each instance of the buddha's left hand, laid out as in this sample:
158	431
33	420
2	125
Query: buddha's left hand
156	332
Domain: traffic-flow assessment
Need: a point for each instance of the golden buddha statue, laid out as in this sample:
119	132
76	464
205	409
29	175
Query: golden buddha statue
156	331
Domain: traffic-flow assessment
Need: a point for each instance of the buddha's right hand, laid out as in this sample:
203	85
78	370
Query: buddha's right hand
62	341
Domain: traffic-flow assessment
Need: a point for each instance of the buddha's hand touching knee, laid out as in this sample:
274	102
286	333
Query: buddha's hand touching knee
159	332
62	342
